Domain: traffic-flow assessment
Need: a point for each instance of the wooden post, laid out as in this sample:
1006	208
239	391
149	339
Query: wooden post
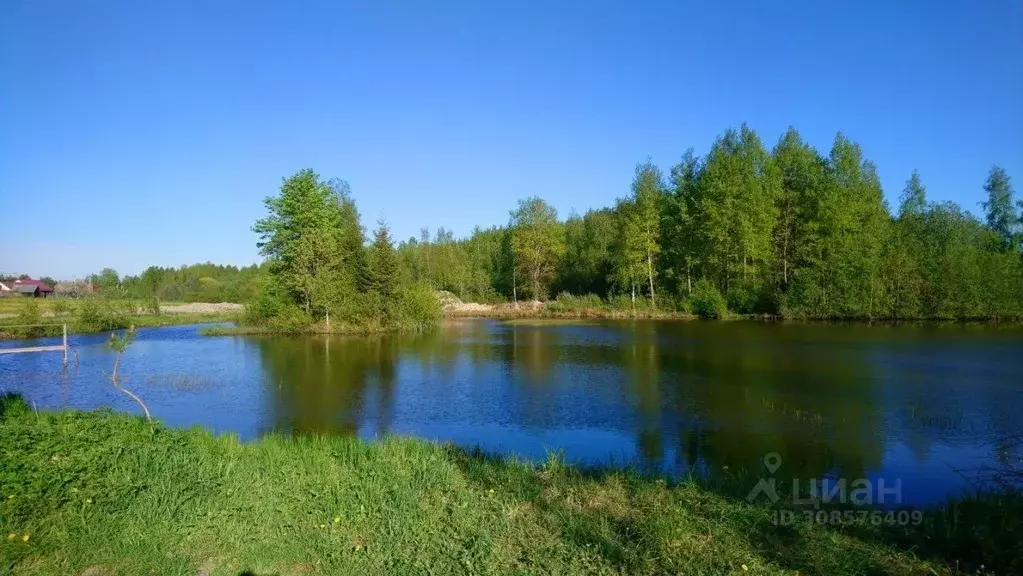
65	346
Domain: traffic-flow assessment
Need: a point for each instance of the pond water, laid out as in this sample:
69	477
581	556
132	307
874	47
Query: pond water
921	407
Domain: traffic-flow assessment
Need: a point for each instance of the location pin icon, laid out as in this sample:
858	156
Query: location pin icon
772	461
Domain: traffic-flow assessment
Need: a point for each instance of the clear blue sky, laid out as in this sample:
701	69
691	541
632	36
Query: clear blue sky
148	132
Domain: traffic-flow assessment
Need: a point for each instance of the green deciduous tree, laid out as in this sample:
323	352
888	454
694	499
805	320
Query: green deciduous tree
680	219
738	190
797	235
537	243
643	221
902	272
998	208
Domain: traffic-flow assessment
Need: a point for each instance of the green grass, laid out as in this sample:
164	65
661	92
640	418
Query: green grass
14	305
39	317
102	493
320	328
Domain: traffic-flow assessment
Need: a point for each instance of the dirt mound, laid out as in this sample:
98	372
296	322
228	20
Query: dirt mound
451	303
200	308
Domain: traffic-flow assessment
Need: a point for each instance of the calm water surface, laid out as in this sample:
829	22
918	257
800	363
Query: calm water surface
917	405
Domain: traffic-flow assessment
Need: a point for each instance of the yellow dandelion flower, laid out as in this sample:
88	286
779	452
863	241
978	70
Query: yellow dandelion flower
745	568
24	538
323	525
337	519
491	491
12	536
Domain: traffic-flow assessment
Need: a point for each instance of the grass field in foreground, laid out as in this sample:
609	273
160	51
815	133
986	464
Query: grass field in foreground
102	493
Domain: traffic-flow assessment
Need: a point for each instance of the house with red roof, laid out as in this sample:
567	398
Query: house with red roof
26	287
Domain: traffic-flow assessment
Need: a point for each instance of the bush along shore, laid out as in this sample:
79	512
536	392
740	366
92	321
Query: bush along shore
105	493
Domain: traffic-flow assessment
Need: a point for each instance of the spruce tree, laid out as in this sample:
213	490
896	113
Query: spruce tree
384	270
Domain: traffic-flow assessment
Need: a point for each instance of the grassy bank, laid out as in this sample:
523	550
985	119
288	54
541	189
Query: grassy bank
565	307
544	312
39	318
318	328
102	493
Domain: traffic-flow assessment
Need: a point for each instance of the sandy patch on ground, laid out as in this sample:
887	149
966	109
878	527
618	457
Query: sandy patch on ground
200	308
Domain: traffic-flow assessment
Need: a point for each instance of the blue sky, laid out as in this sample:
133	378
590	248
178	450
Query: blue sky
147	132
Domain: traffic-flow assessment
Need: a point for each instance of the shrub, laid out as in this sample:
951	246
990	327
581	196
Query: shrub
567	302
707	301
30	318
151	306
272	309
61	307
97	315
674	303
624	302
415	307
741	299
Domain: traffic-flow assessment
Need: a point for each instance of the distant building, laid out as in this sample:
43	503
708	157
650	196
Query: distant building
25	287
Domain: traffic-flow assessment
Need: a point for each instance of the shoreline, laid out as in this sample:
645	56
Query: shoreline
140	321
647	314
185	500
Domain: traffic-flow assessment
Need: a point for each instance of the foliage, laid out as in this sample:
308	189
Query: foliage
785	232
788	232
639	234
273	308
415	307
151	306
707	301
31	319
383	262
118	343
61	308
1001	215
100	315
189	283
319	271
566	302
537	243
107	280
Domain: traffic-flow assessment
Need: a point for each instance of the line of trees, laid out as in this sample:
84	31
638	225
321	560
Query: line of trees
786	232
193	283
188	283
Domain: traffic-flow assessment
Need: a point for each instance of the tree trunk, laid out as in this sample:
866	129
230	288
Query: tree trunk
785	260
689	277
633	298
113	379
515	291
650	274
